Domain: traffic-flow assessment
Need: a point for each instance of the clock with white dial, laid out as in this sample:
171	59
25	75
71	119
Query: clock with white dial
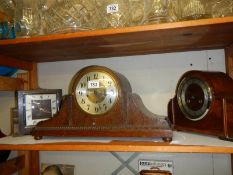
39	107
100	103
35	106
96	92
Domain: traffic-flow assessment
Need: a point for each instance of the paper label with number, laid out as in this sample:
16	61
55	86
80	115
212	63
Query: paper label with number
112	8
93	84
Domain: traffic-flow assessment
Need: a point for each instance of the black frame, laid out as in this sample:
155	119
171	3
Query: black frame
23	128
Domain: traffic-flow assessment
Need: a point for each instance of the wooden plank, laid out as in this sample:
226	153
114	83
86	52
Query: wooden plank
229	60
33	77
11	84
12	166
121	146
32	157
15	63
32	165
29	78
25	77
231	163
157	38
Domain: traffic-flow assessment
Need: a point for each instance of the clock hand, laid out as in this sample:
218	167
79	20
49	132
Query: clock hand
44	110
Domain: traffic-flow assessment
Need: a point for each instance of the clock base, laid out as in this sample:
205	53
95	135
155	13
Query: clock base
135	121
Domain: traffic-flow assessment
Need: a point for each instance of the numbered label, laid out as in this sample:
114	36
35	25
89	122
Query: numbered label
112	8
93	84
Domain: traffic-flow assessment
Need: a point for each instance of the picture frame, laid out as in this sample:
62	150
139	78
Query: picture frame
35	106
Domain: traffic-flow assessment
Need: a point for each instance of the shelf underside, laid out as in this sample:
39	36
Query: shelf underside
158	38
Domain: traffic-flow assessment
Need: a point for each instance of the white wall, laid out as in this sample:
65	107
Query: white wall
154	78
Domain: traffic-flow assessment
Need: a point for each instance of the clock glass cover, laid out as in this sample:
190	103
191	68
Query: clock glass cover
39	107
96	92
194	98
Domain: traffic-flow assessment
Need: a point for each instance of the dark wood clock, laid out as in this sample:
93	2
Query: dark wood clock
101	103
203	104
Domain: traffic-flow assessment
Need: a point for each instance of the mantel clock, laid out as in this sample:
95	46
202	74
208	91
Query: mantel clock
203	104
101	103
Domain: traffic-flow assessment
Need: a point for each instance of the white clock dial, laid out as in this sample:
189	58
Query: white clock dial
96	92
39	107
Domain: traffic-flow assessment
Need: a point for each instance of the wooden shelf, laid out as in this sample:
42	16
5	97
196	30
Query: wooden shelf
158	38
11	84
119	146
192	143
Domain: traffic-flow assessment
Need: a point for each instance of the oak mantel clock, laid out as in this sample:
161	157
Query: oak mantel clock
203	104
101	103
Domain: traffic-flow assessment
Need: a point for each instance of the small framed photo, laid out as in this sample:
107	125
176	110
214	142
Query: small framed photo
58	169
35	106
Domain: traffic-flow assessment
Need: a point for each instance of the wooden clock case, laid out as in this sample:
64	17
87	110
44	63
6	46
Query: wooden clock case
218	117
154	172
127	118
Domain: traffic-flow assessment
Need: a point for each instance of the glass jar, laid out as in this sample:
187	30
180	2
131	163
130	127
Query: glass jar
157	11
221	8
194	9
27	18
114	13
69	16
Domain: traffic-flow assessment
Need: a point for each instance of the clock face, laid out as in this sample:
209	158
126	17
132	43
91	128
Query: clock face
194	98
39	107
96	92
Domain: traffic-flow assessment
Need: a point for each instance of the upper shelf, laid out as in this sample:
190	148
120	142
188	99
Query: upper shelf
159	38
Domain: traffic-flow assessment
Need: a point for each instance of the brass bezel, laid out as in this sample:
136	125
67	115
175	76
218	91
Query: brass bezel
95	68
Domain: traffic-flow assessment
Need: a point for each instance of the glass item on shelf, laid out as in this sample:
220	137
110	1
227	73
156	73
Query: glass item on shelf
114	13
27	18
157	11
7	71
69	16
7	7
7	30
173	10
137	11
221	8
194	9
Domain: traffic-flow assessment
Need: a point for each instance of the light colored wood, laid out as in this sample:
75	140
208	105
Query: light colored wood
11	84
121	146
157	38
25	77
33	77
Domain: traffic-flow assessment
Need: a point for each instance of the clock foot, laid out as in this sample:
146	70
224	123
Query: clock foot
37	137
167	139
